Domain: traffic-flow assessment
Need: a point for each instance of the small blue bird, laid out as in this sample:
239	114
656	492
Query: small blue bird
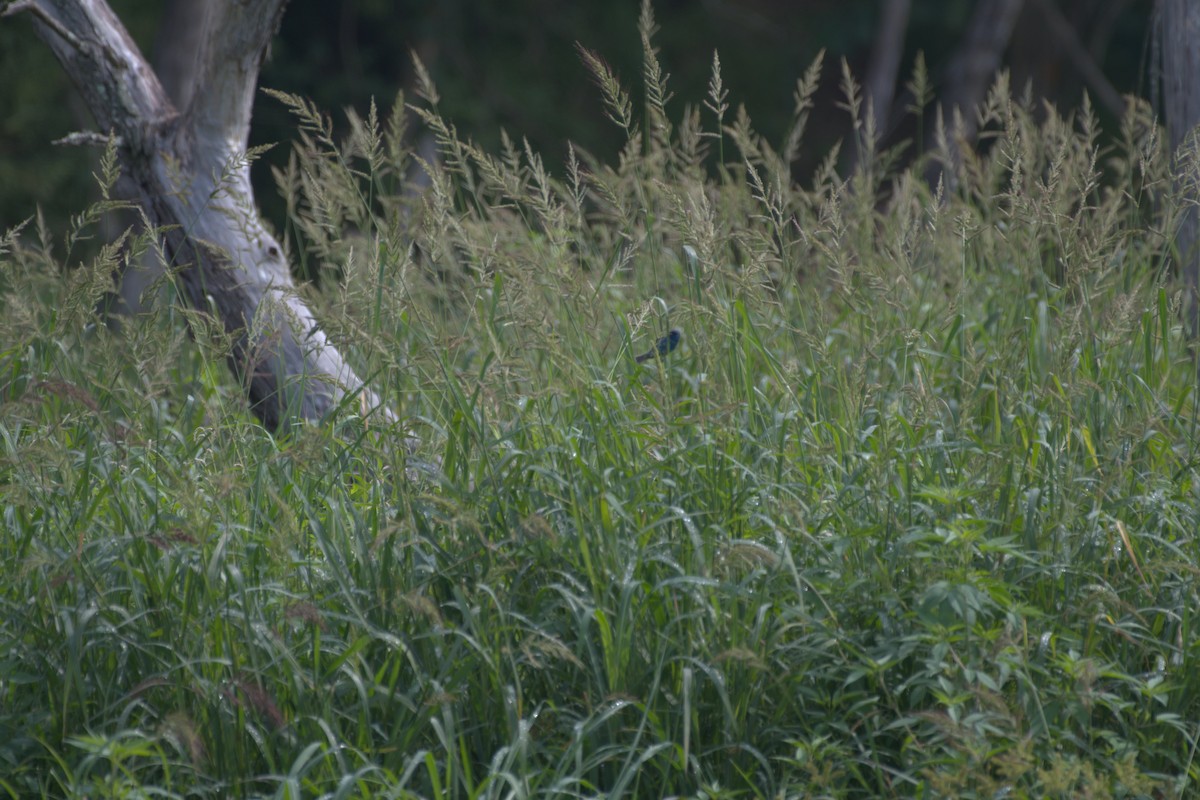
663	346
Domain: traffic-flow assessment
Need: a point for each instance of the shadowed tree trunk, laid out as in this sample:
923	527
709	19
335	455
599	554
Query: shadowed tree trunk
177	46
174	56
191	175
885	60
1180	20
879	88
968	76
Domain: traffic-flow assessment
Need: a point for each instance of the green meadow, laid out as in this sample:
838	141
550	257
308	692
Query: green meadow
912	511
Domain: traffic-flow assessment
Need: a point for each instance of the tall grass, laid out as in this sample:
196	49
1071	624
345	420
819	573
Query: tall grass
912	512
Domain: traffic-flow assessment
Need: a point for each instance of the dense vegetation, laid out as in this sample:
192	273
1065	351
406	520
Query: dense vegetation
513	65
911	512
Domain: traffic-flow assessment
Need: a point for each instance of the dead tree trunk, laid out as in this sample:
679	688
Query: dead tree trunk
1180	32
192	176
176	46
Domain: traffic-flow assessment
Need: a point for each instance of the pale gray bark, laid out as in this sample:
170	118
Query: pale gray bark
175	51
193	182
177	46
1180	32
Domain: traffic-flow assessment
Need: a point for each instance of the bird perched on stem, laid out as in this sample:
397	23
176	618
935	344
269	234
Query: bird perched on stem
663	346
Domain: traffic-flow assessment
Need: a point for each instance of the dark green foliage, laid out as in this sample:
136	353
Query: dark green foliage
910	512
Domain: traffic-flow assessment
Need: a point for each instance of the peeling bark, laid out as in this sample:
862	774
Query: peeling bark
192	179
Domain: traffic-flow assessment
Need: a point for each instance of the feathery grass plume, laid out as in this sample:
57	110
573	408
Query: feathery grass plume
802	100
395	138
619	108
366	140
655	82
717	99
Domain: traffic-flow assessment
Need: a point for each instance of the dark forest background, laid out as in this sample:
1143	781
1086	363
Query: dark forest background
514	66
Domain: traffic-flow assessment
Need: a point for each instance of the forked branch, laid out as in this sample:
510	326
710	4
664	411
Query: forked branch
191	173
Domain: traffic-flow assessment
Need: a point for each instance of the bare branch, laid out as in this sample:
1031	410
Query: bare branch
1091	73
39	12
88	139
103	62
229	61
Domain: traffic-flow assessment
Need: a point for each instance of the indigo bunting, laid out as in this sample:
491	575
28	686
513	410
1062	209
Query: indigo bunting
663	346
